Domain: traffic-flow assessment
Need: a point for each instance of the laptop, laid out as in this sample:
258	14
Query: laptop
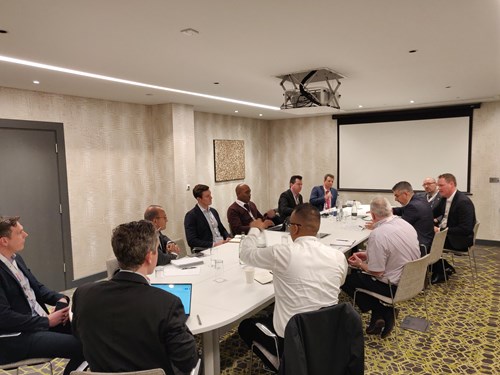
183	291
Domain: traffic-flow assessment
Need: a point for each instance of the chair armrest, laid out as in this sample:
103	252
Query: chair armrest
265	330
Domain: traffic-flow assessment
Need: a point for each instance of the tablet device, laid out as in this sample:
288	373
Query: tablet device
183	291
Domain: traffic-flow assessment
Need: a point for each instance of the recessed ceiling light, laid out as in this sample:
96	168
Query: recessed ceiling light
132	83
149	94
236	111
3	31
260	114
36	82
412	51
360	106
448	87
216	83
190	32
412	101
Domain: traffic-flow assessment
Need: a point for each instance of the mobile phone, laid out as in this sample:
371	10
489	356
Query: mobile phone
61	305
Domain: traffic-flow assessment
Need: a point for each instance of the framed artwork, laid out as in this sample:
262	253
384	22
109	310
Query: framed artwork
229	160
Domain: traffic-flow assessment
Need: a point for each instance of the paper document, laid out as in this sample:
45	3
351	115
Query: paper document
186	262
175	271
263	277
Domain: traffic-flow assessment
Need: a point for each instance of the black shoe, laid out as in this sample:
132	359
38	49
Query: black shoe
389	322
438	278
450	270
375	327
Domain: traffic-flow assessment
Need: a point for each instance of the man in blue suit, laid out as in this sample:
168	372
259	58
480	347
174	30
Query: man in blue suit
202	224
324	196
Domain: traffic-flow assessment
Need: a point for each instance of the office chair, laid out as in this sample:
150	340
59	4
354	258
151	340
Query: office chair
155	371
111	267
182	246
410	285
26	362
436	253
469	253
328	341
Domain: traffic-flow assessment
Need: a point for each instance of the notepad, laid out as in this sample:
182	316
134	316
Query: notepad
186	262
263	277
342	242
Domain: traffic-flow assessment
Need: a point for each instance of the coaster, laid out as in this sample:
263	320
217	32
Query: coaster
416	324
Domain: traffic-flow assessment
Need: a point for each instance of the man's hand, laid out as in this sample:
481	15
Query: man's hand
270	214
268	223
355	261
59	317
222	242
258	223
369	225
173	248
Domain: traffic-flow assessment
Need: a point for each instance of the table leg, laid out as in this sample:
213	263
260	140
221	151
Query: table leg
211	353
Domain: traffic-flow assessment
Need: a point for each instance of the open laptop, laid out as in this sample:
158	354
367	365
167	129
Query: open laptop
183	291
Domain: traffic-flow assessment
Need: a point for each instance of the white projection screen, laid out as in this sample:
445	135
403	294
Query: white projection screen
374	156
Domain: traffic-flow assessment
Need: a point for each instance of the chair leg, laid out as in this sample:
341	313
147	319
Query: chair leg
472	251
471	270
444	271
251	360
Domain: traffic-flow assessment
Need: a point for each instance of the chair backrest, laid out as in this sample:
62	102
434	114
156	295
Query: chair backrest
155	371
182	246
437	246
412	279
328	341
112	266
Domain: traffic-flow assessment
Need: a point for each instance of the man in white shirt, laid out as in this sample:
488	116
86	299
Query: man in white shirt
307	274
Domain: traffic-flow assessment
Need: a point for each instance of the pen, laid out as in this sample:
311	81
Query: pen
199	320
342	240
188	268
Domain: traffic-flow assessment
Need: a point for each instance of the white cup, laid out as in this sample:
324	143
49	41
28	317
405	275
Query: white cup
159	272
249	274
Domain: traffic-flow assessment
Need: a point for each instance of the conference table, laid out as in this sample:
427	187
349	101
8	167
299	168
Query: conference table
222	297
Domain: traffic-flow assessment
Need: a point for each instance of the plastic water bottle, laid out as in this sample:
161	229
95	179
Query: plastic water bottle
354	210
240	247
340	213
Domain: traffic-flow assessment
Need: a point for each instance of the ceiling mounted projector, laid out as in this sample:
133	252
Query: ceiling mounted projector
302	94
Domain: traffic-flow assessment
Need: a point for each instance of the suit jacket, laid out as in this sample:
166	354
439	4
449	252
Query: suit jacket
125	324
239	218
164	257
15	311
317	198
460	223
327	341
286	203
419	214
198	232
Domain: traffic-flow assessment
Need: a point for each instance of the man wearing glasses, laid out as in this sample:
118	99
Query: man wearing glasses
167	249
307	275
431	192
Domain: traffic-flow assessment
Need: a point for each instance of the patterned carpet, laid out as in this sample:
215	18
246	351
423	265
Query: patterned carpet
464	335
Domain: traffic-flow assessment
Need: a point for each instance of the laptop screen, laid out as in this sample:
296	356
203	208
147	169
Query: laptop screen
183	291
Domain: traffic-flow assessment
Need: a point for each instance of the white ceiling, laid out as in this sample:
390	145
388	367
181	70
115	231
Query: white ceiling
245	44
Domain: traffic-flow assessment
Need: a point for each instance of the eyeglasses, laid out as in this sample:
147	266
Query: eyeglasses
296	224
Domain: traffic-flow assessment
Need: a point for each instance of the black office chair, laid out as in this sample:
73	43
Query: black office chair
328	341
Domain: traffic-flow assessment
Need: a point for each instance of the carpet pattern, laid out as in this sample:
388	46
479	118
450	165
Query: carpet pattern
464	336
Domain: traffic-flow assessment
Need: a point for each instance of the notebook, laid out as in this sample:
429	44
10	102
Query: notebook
183	291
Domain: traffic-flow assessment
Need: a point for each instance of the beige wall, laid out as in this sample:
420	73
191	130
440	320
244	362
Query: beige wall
122	157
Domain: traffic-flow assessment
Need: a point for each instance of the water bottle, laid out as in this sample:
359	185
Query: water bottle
240	247
354	210
340	213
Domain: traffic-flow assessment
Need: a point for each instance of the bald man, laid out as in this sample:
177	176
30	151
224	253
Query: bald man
307	274
167	249
242	212
431	192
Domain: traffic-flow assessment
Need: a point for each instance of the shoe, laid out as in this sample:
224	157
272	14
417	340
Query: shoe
375	327
438	278
388	322
450	270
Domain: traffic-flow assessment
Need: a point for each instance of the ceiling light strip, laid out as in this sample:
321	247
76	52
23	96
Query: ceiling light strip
132	83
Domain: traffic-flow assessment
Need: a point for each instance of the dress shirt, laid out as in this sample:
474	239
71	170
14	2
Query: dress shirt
444	221
307	274
212	223
246	207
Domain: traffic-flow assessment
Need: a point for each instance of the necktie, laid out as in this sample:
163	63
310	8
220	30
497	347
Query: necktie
247	207
327	201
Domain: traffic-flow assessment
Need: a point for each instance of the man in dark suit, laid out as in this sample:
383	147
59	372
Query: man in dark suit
167	249
242	212
455	212
324	196
431	192
27	327
202	224
416	211
125	324
291	198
